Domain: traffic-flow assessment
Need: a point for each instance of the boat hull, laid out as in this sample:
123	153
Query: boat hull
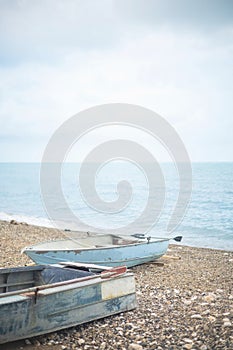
30	314
128	255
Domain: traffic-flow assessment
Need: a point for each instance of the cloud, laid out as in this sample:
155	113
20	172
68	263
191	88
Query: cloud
47	30
60	67
197	15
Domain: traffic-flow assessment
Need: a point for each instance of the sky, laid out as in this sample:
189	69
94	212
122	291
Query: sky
59	57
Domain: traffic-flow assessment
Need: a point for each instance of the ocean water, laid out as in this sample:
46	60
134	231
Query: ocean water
208	221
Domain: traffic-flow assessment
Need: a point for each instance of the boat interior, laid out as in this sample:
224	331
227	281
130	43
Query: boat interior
95	241
21	278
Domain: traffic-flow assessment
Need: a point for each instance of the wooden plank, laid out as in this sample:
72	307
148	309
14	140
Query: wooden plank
14	284
84	265
171	257
118	287
159	263
60	284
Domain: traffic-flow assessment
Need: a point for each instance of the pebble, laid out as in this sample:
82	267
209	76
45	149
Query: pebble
37	343
209	298
219	291
103	346
206	312
180	306
212	318
187	340
196	316
188	346
14	222
135	347
203	347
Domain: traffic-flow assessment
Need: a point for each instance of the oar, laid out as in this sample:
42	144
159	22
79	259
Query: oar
112	272
142	236
177	238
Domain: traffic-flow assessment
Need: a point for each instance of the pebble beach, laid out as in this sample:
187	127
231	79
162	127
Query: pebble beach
185	301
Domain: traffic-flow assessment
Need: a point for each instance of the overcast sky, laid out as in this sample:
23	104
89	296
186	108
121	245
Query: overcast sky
58	57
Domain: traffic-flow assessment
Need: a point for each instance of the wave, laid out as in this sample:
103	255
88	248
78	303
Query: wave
31	220
43	222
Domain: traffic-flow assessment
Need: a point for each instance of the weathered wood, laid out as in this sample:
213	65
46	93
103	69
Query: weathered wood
47	308
107	250
171	257
106	274
159	263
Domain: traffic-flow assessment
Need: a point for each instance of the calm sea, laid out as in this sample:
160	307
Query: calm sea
208	221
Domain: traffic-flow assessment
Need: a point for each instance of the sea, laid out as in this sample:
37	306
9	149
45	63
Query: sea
207	221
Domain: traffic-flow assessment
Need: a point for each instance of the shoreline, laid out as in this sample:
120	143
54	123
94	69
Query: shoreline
17	219
186	303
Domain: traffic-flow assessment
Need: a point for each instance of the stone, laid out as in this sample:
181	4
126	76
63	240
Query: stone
196	317
81	341
37	343
206	312
161	323
13	222
187	340
209	298
188	346
203	347
134	346
212	318
219	291
103	346
226	314
27	342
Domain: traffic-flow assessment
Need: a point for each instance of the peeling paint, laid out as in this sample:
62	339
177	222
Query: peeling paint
62	304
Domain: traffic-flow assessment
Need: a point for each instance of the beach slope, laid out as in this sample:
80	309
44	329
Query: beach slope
185	302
